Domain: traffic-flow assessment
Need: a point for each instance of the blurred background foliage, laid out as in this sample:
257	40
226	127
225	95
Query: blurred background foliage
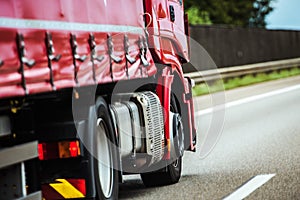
244	13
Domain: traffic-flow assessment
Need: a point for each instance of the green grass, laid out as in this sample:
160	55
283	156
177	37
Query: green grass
206	88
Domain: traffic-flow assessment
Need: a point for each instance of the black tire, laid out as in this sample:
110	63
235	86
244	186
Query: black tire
106	156
168	176
172	173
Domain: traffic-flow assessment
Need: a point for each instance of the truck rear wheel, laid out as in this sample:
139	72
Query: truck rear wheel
106	159
172	173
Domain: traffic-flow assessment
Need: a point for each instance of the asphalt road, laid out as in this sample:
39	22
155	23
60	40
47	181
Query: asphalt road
256	135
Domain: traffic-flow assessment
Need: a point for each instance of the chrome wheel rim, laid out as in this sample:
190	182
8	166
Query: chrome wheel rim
175	163
104	159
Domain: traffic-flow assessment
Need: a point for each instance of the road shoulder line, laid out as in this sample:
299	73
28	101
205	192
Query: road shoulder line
247	100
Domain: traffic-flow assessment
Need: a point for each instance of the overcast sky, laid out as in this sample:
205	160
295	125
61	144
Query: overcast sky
286	15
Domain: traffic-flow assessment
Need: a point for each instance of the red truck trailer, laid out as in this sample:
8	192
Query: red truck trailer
91	91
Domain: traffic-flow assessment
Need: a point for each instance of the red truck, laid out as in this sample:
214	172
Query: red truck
91	91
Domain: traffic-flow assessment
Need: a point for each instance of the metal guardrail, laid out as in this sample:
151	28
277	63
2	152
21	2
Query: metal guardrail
230	72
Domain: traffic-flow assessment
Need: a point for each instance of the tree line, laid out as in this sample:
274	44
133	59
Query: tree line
245	13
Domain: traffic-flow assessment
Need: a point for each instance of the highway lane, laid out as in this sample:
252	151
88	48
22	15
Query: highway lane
258	137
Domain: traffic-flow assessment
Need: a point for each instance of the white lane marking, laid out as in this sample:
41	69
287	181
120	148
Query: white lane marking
247	100
249	187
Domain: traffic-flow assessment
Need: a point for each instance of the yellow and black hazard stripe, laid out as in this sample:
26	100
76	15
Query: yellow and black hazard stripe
62	189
